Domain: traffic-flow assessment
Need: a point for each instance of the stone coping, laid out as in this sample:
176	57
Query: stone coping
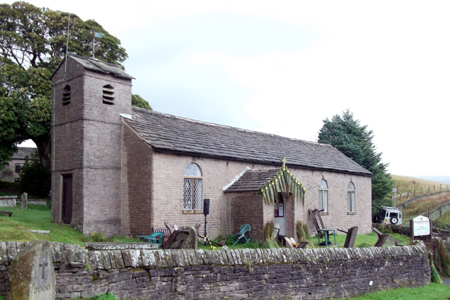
120	246
8	197
77	256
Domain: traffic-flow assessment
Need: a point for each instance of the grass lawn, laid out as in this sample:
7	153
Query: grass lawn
366	239
37	217
432	292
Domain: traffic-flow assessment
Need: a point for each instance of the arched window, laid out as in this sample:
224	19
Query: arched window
351	205
66	95
108	94
193	187
323	196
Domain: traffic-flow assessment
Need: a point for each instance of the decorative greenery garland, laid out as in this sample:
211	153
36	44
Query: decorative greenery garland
285	183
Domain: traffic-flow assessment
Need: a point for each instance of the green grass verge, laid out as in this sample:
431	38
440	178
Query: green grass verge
37	217
432	292
366	239
444	220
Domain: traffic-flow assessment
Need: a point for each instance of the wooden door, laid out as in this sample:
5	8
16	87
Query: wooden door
66	214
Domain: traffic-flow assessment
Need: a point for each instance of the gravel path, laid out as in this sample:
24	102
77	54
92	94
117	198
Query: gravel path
446	280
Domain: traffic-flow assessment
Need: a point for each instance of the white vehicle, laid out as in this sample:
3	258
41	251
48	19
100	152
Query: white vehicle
388	215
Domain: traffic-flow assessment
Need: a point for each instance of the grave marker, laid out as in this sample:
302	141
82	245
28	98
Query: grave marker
31	274
24	201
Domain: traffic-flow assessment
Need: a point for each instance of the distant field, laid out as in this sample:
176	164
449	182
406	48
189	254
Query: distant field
415	187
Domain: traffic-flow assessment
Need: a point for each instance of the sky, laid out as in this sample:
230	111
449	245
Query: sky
283	67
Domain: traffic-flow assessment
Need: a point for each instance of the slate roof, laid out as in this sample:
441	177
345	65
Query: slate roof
169	133
97	65
23	152
252	180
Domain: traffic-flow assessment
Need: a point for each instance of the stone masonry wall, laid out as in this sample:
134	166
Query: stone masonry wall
9	201
133	273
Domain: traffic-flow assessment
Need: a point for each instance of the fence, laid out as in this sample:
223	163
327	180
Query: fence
430	190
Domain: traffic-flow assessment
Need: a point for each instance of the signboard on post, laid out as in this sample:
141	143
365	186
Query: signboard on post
420	226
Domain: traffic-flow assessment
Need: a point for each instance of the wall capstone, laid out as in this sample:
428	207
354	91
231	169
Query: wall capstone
133	273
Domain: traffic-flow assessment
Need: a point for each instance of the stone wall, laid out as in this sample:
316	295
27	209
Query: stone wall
135	273
8	201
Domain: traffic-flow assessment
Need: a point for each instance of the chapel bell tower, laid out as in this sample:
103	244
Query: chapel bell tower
88	98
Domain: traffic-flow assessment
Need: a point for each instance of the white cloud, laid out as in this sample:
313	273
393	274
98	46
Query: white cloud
285	66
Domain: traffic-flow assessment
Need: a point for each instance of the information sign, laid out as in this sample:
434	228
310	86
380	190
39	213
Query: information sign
421	226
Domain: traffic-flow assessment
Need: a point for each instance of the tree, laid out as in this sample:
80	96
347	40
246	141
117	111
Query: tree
138	101
354	140
34	178
33	44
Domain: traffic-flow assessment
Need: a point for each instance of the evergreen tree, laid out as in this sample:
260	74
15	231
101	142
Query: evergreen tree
354	140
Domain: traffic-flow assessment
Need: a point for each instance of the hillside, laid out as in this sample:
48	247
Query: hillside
408	187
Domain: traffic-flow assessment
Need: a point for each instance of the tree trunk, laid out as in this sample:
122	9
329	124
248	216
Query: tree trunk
44	149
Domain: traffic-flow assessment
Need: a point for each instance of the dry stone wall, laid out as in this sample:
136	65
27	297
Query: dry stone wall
134	273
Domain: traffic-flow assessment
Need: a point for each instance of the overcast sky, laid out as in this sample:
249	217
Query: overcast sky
283	67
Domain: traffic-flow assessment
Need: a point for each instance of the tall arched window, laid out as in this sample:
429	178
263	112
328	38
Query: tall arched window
193	187
351	205
323	196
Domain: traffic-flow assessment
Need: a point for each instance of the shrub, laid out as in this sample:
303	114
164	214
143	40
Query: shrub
303	232
268	230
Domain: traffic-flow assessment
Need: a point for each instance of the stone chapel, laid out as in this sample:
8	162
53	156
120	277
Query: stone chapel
122	170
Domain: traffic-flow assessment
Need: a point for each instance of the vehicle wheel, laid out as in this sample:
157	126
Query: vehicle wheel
394	220
377	219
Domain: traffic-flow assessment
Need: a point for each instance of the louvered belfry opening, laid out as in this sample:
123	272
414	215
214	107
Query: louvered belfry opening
108	94
66	95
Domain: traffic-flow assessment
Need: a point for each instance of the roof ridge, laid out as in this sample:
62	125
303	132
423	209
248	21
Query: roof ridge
225	126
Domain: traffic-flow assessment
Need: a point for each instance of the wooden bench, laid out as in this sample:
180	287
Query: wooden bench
4	213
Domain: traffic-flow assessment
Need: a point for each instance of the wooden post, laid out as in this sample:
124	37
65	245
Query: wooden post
411	229
431	229
414	192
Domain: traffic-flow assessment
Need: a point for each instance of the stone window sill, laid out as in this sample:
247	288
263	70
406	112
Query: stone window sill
324	213
351	213
192	211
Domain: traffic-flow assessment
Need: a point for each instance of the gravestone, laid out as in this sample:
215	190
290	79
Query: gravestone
23	203
31	273
191	241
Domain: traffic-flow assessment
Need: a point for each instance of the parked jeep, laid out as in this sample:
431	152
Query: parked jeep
388	215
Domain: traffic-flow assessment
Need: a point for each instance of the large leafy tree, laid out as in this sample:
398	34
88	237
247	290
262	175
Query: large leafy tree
32	45
356	141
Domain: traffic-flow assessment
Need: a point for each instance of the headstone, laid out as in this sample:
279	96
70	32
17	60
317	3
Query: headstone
31	273
23	204
191	241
